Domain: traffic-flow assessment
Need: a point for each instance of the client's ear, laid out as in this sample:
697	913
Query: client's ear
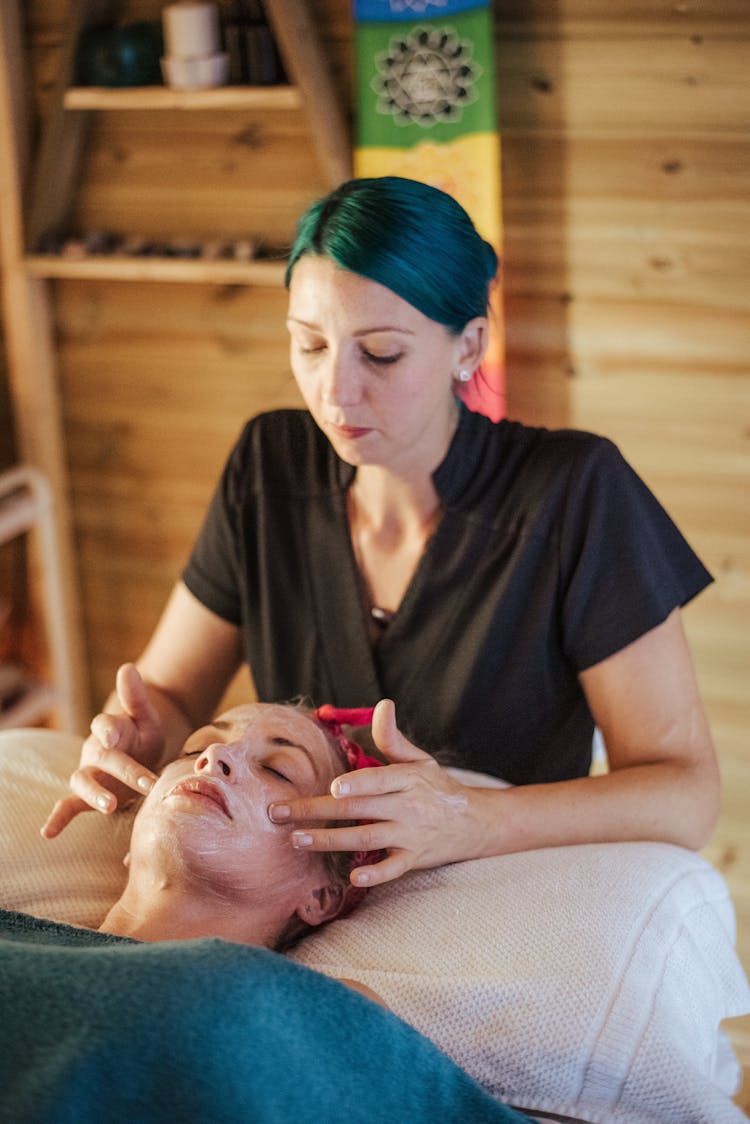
321	904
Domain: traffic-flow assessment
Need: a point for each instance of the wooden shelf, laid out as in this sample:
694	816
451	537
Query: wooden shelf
112	268
162	97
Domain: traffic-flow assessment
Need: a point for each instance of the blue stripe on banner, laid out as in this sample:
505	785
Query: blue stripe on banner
393	11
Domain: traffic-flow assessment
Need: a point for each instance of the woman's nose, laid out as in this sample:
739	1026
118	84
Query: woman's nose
341	384
216	760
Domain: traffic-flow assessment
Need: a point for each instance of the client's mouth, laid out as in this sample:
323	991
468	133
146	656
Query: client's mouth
204	789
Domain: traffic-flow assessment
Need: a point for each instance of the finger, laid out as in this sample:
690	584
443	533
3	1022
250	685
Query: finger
320	809
63	813
366	783
133	696
361	837
392	866
109	731
120	766
113	766
389	739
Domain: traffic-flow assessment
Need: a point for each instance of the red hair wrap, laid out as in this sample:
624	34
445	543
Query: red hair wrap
334	718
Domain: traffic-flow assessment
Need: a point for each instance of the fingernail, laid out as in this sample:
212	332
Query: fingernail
111	738
103	802
341	788
279	812
361	878
301	839
145	784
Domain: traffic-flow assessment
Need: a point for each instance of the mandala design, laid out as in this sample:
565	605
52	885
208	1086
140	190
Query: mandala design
426	77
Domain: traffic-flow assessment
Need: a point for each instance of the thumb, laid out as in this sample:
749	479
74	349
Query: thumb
388	738
133	696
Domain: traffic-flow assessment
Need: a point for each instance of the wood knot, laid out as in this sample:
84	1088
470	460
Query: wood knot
542	85
252	137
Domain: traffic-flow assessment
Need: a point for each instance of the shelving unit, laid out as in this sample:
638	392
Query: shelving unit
26	507
50	183
55	171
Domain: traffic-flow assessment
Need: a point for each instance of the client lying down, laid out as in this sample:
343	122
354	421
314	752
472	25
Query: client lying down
205	859
153	1018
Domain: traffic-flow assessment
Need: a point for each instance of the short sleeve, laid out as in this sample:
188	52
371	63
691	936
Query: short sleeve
624	564
213	570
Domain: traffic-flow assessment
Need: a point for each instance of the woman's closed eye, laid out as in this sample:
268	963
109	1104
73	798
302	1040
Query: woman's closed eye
278	773
382	360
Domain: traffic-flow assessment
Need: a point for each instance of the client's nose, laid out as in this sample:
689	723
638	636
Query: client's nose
215	760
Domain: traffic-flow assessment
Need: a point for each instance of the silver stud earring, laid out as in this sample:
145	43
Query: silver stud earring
464	375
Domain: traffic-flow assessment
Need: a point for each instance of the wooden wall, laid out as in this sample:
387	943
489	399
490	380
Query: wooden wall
626	199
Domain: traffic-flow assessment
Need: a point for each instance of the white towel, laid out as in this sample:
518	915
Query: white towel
588	981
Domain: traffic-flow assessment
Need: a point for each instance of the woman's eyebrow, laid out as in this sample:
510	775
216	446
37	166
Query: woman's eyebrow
362	331
383	328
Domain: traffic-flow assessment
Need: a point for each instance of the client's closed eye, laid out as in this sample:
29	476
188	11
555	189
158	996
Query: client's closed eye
277	773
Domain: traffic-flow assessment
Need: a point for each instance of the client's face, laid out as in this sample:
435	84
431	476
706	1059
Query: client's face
206	818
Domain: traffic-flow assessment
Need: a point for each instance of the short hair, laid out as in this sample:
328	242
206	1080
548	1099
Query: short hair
410	237
338	864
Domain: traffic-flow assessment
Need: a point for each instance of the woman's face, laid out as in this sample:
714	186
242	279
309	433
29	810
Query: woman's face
375	373
206	817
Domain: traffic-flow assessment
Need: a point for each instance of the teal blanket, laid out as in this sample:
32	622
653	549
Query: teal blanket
100	1028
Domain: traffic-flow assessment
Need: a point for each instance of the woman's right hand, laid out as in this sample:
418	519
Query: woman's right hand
116	758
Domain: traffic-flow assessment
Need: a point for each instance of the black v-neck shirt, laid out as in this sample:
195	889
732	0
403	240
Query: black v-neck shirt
551	555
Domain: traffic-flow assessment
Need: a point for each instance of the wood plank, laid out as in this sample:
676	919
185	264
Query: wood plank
147	175
267	98
295	34
110	267
633	14
608	85
233	316
56	167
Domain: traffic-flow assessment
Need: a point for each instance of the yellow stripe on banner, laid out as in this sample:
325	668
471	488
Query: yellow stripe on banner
467	168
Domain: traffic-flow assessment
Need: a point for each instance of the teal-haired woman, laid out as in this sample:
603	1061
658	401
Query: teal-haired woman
508	587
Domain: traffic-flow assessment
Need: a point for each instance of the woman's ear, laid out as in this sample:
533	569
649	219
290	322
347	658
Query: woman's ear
321	904
473	343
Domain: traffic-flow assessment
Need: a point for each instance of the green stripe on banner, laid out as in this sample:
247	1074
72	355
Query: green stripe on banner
434	77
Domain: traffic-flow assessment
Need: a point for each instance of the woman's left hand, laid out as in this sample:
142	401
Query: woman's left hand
412	809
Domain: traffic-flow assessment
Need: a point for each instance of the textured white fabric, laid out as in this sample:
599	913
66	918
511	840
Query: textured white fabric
588	981
73	878
583	981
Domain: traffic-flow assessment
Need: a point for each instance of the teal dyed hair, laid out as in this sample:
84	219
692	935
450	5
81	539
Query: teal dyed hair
415	240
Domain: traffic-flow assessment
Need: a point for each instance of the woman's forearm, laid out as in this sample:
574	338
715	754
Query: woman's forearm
666	802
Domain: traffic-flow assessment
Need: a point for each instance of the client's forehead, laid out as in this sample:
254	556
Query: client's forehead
260	714
277	720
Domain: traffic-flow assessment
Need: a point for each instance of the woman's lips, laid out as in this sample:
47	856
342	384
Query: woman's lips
350	432
202	789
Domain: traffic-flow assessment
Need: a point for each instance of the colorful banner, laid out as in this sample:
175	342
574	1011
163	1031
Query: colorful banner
426	109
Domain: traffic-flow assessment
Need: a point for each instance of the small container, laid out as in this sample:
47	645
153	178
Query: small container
196	73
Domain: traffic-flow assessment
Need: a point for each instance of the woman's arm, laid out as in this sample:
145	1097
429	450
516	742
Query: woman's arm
184	670
663	782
